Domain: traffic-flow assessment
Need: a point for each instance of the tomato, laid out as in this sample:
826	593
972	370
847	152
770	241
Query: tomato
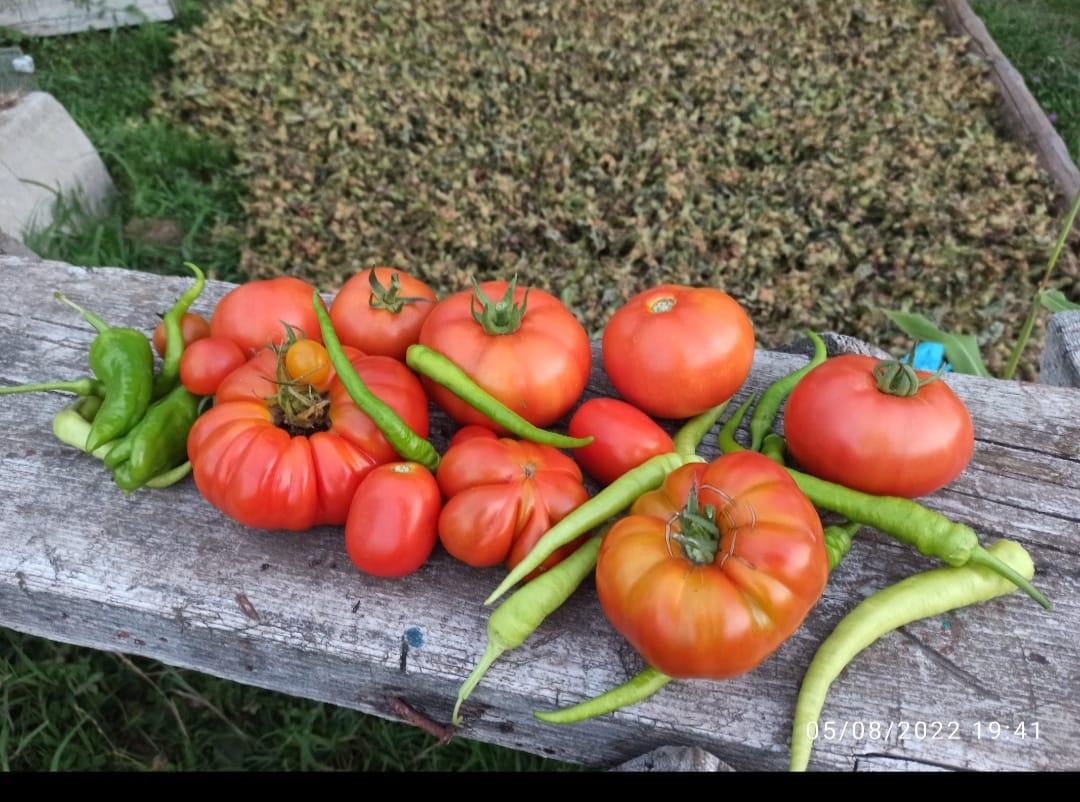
272	470
500	495
383	317
841	426
712	602
471	431
393	519
675	351
206	362
623	438
193	326
527	349
254	314
307	361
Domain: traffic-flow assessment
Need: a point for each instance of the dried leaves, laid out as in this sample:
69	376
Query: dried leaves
816	160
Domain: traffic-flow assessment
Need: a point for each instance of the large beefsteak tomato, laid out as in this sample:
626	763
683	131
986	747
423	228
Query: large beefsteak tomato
878	426
708	574
269	460
526	349
675	351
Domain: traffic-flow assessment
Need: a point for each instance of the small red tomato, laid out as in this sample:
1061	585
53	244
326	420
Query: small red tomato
193	327
392	525
623	438
380	311
206	362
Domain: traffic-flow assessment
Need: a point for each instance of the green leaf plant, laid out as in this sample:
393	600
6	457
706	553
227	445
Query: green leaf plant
962	350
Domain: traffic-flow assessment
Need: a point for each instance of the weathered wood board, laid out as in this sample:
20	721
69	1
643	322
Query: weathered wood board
58	17
164	575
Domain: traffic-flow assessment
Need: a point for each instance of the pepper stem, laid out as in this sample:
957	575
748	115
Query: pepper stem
981	556
502	317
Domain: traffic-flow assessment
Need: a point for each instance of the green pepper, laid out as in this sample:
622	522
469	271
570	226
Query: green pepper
122	359
158	443
169	374
408	444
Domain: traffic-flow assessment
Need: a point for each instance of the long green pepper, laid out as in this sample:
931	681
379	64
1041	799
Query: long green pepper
169	375
761	421
524	610
917	597
122	359
442	370
407	443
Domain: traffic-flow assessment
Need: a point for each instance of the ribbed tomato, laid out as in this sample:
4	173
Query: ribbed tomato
710	573
272	460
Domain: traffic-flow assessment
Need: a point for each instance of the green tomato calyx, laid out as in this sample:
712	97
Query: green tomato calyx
501	317
699	533
390	298
900	379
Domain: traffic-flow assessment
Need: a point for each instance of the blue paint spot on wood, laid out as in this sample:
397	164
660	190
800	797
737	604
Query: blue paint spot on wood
414	637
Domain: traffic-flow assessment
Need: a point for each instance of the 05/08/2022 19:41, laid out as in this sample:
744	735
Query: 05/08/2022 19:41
898	731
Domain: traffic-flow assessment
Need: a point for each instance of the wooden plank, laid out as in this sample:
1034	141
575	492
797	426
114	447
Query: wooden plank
163	575
59	17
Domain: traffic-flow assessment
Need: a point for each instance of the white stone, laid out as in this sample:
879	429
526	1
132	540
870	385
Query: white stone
44	155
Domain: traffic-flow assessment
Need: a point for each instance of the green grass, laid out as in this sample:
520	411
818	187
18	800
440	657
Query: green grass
69	709
163	175
1041	39
73	709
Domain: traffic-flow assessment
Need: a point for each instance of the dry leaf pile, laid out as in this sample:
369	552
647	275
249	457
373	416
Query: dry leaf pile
817	160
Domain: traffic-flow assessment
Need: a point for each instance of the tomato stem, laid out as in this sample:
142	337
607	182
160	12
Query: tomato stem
900	379
502	317
390	298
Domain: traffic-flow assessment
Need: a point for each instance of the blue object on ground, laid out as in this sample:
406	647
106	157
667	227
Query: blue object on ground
929	356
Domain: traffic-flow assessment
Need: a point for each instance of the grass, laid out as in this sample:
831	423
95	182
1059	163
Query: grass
1041	39
71	709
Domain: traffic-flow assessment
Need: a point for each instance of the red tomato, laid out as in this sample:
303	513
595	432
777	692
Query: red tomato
206	362
468	432
261	469
714	601
840	426
385	317
623	438
393	519
500	495
675	351
253	314
193	326
529	351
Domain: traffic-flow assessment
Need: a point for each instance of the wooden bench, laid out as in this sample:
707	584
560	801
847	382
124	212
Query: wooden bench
164	575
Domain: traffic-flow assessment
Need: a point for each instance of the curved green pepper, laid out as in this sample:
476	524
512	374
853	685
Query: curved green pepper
122	359
158	443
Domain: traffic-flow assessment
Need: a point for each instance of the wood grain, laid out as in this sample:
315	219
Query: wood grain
164	575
